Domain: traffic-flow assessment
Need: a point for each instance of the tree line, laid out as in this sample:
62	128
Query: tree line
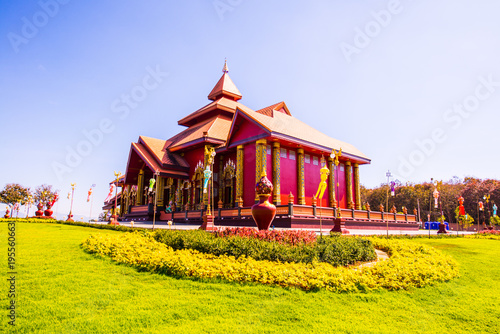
420	196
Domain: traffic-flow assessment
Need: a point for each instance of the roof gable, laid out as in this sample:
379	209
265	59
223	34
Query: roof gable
244	130
277	107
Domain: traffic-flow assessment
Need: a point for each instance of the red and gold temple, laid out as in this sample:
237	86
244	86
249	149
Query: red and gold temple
246	143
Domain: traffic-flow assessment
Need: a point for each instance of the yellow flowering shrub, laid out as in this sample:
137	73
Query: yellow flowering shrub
410	265
494	235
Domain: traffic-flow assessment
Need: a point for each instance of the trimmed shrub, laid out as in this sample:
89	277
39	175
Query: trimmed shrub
335	250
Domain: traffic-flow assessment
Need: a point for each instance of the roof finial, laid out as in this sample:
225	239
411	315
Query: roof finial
224	69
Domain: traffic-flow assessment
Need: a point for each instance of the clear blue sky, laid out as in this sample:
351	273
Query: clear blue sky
415	85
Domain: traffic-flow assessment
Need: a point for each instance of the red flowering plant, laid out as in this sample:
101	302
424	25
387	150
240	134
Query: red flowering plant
495	232
288	237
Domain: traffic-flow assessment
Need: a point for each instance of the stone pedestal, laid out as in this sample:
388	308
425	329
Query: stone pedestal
114	220
442	228
339	226
208	223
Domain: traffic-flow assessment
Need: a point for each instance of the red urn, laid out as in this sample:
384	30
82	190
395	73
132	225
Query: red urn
39	213
263	212
48	212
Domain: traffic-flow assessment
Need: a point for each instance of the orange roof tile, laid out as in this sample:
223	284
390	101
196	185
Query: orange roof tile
225	87
158	150
215	128
289	127
222	103
269	111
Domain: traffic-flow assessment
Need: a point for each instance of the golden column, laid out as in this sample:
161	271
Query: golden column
357	187
159	197
331	183
178	195
240	160
122	202
126	192
276	173
220	194
140	186
348	184
260	160
301	199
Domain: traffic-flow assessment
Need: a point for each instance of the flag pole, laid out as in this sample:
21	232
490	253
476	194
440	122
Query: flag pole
91	202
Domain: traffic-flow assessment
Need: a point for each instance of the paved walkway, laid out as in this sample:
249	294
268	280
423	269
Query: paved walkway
164	225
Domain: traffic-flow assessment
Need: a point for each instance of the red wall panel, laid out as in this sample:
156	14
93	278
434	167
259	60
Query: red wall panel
192	158
341	193
246	130
249	175
312	180
288	177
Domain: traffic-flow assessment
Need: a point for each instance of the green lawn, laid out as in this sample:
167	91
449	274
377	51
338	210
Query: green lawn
61	289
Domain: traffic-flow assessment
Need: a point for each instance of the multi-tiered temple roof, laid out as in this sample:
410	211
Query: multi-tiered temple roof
218	122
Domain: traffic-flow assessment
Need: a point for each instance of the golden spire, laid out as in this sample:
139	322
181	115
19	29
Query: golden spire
224	69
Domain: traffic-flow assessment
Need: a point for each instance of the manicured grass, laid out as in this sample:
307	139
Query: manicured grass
62	289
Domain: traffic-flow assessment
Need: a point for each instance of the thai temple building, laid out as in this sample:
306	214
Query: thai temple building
239	144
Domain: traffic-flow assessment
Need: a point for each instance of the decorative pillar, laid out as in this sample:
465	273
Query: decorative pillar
221	179
357	189
301	199
260	161
193	195
240	159
140	186
160	201
178	195
276	173
122	201
331	183
127	192
348	184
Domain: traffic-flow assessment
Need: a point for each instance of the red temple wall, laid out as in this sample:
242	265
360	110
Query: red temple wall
341	193
288	177
249	175
269	167
246	130
192	158
312	179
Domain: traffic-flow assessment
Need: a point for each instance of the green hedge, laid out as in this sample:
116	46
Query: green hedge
335	250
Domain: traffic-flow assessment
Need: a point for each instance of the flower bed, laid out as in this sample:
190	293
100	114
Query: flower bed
334	249
410	265
290	237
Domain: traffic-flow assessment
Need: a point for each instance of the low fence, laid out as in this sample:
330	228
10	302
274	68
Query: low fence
294	211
